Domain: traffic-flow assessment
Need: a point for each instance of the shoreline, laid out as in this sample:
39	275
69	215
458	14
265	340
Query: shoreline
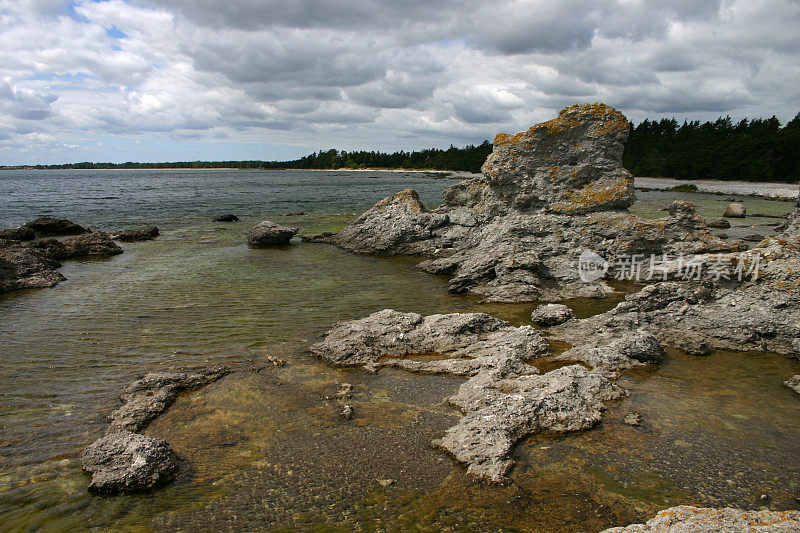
767	190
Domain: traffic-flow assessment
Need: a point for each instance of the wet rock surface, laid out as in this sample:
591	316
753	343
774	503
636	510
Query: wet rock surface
269	233
54	227
505	397
688	519
146	398
516	233
18	234
138	234
123	461
23	267
226	218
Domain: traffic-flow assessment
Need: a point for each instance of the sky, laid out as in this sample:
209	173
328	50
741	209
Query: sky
184	80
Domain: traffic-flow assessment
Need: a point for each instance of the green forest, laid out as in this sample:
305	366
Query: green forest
749	150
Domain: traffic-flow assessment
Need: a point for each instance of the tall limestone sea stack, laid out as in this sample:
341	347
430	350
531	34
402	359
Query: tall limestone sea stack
546	194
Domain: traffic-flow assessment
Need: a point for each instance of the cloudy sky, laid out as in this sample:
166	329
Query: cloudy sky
173	80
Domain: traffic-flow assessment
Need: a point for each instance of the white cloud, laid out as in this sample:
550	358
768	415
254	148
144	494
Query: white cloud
381	74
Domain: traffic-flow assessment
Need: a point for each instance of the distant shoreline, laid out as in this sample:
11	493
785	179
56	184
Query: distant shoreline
766	190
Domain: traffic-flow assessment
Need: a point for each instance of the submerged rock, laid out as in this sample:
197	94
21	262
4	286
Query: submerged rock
53	227
735	210
546	196
552	314
504	398
719	223
123	461
226	218
138	234
687	519
146	398
269	233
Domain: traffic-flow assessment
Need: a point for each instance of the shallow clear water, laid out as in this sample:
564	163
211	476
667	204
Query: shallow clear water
266	449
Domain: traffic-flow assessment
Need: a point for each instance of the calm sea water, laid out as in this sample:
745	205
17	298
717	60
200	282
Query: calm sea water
266	450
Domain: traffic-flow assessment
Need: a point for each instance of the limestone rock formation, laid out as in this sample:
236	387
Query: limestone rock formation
547	194
269	233
551	314
146	398
81	246
688	519
568	165
138	234
505	398
123	461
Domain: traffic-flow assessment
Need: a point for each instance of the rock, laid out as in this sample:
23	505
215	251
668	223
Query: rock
53	227
502	401
793	383
552	314
393	226
148	397
687	519
18	234
546	195
347	412
126	462
226	218
722	235
632	419
791	226
295	214
568	165
759	312
469	341
564	400
753	237
615	352
720	223
23	267
735	210
269	233
319	238
698	349
90	245
138	234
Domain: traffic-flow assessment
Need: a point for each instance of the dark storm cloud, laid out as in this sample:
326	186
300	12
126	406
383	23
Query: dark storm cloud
359	72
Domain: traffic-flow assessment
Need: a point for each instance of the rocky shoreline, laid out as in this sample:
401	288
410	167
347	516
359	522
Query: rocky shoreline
31	254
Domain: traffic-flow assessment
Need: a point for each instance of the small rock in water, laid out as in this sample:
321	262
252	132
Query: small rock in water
347	412
551	314
138	234
720	223
345	391
735	210
722	235
269	233
128	462
385	482
226	218
754	237
633	419
295	214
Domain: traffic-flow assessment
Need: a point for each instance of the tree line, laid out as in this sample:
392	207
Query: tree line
749	150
